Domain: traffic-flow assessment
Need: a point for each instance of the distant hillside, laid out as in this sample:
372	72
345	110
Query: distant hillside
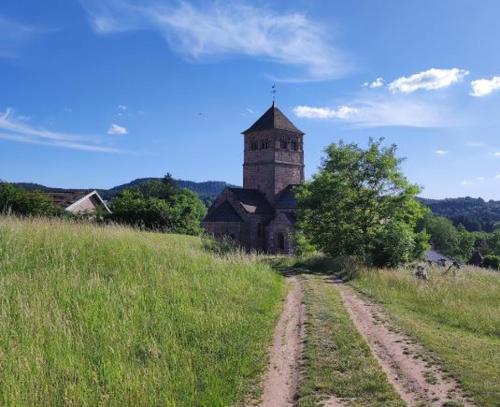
207	191
475	214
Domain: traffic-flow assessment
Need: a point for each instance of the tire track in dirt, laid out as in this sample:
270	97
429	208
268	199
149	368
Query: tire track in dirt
282	377
417	381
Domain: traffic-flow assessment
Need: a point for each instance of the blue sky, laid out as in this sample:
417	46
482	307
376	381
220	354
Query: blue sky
95	93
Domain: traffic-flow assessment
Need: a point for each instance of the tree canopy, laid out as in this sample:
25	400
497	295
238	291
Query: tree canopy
21	202
159	205
360	204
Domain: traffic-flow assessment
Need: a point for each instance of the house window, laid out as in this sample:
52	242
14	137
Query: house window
264	144
283	144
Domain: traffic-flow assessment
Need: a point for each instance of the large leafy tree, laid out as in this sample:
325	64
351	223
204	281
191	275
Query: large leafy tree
159	205
19	201
360	204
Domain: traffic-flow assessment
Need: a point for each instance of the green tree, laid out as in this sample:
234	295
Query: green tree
19	201
159	205
446	238
360	204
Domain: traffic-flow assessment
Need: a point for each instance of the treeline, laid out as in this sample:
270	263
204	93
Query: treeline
475	214
158	205
477	248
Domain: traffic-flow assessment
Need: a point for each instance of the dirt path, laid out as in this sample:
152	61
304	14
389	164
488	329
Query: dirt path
281	381
417	381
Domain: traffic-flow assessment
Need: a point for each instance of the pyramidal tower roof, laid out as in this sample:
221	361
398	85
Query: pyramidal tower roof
273	119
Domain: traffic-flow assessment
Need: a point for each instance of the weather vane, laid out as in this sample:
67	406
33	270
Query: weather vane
273	91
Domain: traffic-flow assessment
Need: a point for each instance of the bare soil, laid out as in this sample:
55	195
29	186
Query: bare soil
419	380
282	378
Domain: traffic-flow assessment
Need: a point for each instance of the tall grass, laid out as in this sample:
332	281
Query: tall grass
457	319
112	316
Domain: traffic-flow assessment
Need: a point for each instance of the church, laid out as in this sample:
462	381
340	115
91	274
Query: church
261	215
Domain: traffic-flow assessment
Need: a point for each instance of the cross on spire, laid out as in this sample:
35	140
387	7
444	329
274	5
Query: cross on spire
273	91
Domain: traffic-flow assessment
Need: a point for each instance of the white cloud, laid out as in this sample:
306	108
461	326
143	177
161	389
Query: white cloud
429	80
497	176
122	107
220	28
116	130
383	112
309	112
441	152
377	83
496	154
466	182
483	87
14	129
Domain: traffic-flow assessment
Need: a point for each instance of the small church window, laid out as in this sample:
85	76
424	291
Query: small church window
281	241
260	230
283	144
264	144
295	146
253	145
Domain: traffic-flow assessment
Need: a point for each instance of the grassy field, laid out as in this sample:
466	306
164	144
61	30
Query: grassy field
456	318
337	360
112	316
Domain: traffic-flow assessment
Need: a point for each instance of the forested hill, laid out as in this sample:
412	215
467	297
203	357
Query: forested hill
207	191
475	214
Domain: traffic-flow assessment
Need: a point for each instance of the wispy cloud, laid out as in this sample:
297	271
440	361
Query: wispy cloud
483	87
475	144
116	130
466	182
227	28
15	35
14	129
381	112
431	79
441	152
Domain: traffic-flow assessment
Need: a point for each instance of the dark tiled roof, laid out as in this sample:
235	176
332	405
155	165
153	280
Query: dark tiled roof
223	213
64	198
273	119
286	199
252	201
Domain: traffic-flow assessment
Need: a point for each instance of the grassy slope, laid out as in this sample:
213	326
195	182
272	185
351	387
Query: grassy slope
112	316
458	319
337	359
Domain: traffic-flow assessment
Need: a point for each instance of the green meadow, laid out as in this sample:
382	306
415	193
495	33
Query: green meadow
113	316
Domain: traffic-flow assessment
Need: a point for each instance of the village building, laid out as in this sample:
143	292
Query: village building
261	215
78	202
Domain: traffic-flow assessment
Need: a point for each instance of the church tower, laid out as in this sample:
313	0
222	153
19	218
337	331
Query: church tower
273	154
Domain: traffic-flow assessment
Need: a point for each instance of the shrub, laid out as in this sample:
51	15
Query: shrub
491	262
